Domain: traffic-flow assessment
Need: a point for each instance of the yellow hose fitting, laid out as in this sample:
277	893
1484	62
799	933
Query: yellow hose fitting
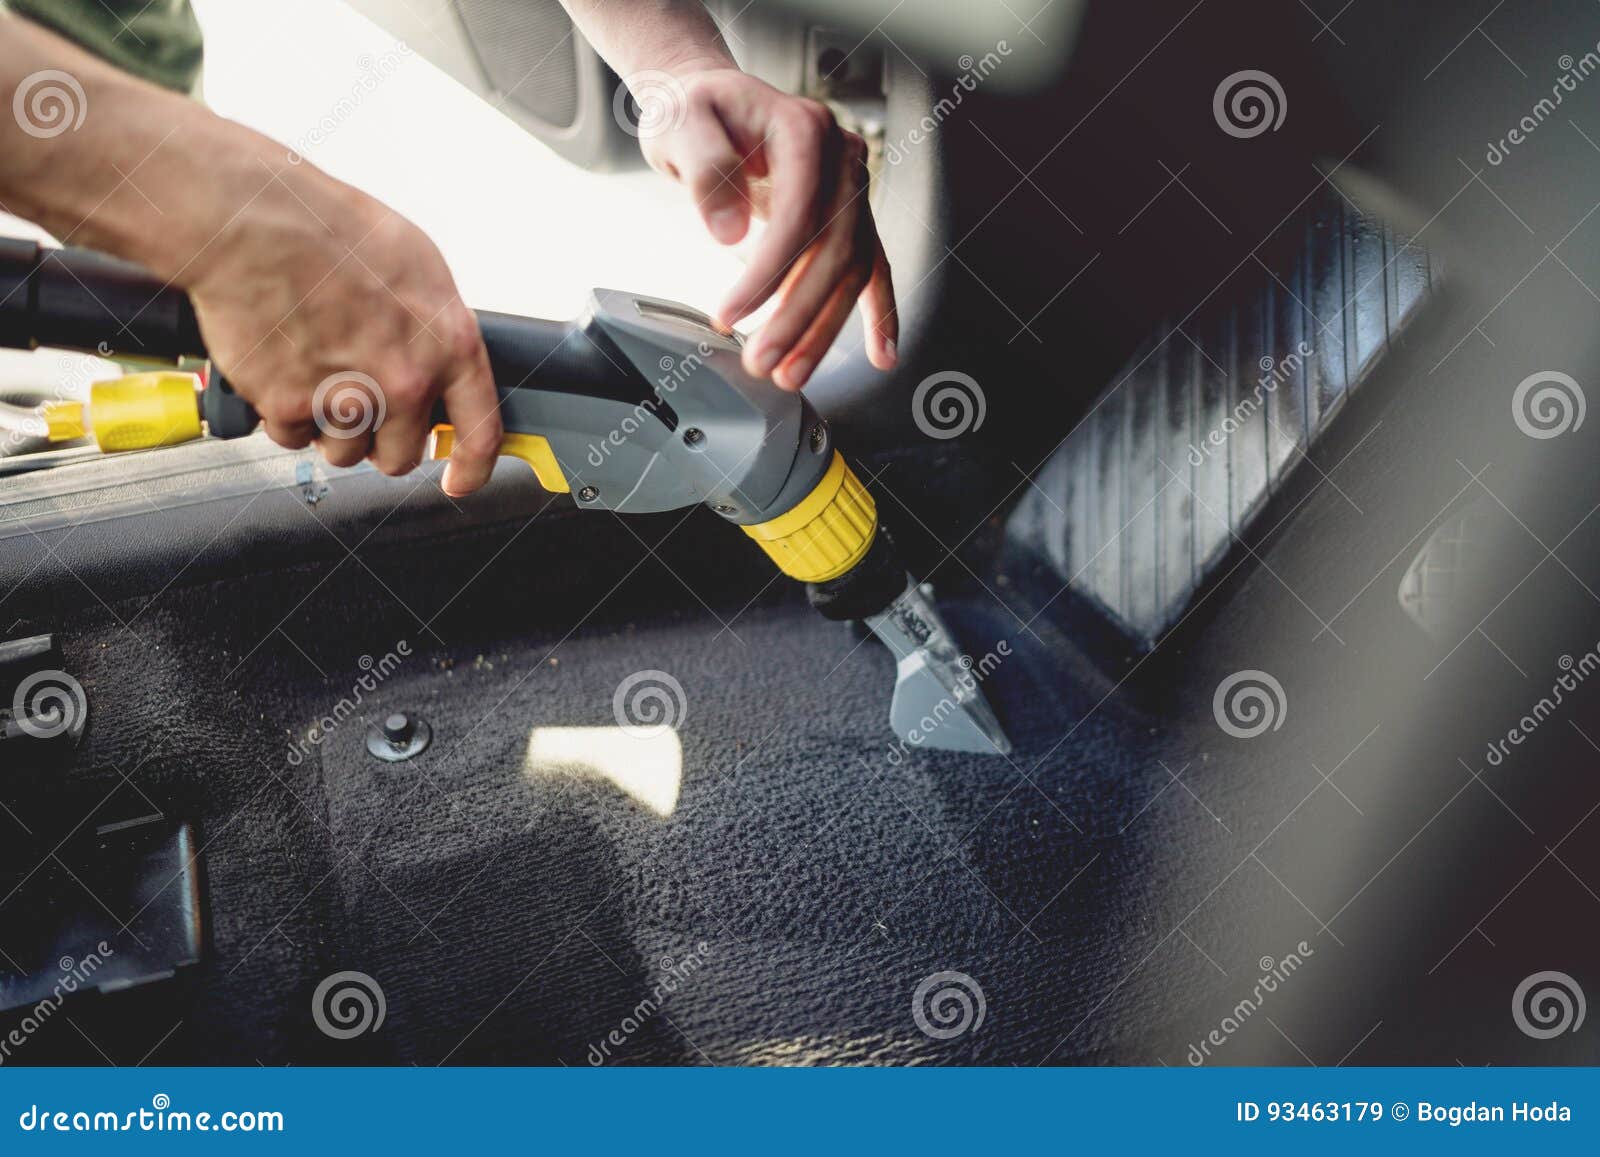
63	421
139	411
826	533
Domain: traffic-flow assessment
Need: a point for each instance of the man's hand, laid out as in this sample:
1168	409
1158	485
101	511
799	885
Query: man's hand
745	149
306	311
306	290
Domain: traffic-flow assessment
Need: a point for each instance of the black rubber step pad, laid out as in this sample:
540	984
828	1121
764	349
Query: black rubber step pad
1142	500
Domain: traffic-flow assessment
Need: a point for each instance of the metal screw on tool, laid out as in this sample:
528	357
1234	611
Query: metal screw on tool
588	494
693	436
819	436
399	737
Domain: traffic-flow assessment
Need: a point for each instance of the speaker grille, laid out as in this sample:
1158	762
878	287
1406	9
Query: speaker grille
529	51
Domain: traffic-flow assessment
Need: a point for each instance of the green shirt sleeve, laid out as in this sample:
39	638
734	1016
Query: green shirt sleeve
158	40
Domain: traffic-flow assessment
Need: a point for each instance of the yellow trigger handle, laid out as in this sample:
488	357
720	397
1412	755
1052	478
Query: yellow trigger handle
533	449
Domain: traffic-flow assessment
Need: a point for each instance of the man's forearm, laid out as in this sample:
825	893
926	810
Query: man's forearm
112	162
298	281
640	35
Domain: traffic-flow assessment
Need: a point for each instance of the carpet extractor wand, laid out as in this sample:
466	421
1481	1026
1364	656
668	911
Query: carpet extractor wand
638	406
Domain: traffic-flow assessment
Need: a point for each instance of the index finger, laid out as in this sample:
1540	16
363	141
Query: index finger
794	148
473	407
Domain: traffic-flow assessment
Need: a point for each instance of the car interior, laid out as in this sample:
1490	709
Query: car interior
1098	269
